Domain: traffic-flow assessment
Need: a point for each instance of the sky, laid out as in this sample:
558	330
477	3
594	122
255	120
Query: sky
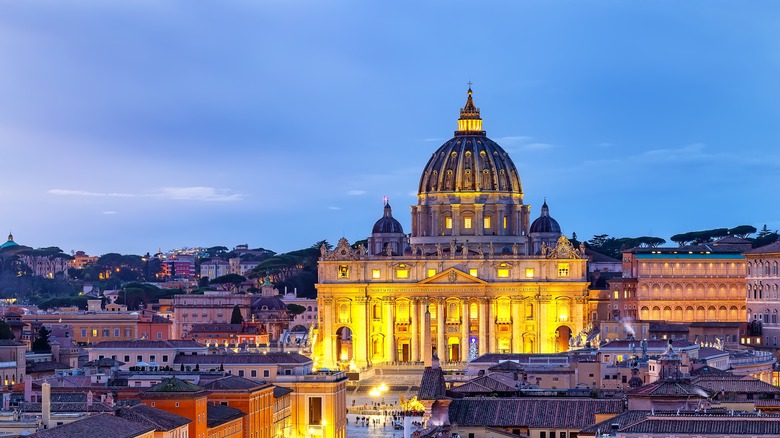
132	126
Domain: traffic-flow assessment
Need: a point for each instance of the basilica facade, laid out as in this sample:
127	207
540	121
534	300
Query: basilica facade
474	276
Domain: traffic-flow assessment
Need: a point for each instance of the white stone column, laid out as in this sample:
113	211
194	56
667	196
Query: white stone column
491	321
517	343
360	339
464	330
326	308
441	341
389	329
415	328
483	319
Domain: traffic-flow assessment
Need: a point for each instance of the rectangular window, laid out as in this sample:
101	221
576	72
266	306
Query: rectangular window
315	411
139	358
502	273
94	333
116	332
266	373
529	272
253	373
152	358
240	373
127	358
165	358
486	222
617	295
106	333
375	273
504	221
83	333
467	223
159	335
431	272
563	269
473	272
448	223
402	273
128	332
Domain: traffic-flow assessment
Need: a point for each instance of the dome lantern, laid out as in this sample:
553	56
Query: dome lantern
469	121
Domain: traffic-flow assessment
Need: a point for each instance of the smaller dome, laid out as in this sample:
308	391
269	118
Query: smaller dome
268	303
545	223
506	250
387	224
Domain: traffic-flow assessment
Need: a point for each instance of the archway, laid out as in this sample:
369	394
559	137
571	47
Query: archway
562	336
344	344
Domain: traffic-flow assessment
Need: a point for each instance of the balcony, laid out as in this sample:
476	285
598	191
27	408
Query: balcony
10	364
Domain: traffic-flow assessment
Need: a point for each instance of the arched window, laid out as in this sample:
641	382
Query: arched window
750	268
343	312
376	312
473	311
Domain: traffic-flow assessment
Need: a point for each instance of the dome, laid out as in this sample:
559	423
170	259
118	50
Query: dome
545	223
264	304
470	162
387	224
9	243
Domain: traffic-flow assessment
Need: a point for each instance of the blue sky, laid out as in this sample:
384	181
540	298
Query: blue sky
128	126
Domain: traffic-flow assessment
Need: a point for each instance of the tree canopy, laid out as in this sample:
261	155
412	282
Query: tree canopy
41	343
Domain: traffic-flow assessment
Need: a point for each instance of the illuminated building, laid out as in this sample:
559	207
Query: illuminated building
474	276
763	281
695	283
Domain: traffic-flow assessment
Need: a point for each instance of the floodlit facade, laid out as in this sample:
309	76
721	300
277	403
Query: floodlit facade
474	276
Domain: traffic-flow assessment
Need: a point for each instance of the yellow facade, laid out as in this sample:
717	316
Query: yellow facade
367	320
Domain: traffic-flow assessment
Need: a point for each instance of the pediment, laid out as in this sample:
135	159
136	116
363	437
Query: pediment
452	276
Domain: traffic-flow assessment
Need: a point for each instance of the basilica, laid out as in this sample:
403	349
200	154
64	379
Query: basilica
475	275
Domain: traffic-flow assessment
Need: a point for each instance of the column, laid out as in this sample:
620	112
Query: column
464	331
441	347
478	217
491	321
360	333
328	361
425	331
517	343
415	328
483	319
455	219
389	329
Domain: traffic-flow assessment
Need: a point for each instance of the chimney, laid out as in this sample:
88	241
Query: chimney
89	399
46	404
427	348
110	399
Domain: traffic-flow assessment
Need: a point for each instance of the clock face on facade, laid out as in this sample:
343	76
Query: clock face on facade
343	252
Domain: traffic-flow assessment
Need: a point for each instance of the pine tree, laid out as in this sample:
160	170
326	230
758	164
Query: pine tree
41	342
236	317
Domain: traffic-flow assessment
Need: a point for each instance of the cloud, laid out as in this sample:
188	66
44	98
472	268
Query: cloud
356	192
65	192
537	146
604	145
437	140
334	208
204	194
109	212
512	140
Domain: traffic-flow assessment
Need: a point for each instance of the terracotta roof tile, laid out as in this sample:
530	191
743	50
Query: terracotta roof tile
103	425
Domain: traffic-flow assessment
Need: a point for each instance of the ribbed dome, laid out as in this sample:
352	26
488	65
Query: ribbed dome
470	161
545	223
387	224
